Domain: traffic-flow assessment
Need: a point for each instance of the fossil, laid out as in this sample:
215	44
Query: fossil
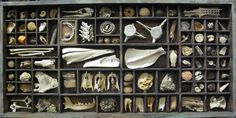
22	39
186	63
223	39
150	103
87	81
31	26
106	12
108	61
11	13
223	51
140	58
198	75
186	75
112	82
185	26
145	81
53	13
128	104
12	40
167	84
192	103
25	88
139	104
71	55
46	63
79	106
86	32
173	103
25	77
25	64
223	87
129	12
100	82
210	38
108	104
68	31
198	26
10	27
199	38
219	102
172	30
162	104
203	12
156	32
22	28
69	79
107	27
42	26
210	25
187	51
23	52
43	14
199	50
45	104
144	11
173	58
130	32
10	87
11	64
82	12
46	82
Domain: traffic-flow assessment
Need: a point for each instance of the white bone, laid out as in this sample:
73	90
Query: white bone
46	82
130	31
49	63
79	106
109	61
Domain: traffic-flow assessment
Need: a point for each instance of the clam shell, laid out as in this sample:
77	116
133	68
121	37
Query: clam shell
21	39
31	26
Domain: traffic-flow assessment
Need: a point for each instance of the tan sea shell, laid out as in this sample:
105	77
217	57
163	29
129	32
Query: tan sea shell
21	39
31	26
22	28
198	26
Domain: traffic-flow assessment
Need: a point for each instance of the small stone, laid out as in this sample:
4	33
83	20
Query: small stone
223	39
128	90
211	75
186	50
186	63
211	87
10	87
186	75
128	83
31	26
11	76
144	11
199	38
223	51
128	77
210	38
11	64
198	64
210	25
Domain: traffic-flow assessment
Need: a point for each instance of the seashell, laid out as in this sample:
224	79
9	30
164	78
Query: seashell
186	50
198	26
10	27
210	25
128	77
11	64
33	15
129	12
115	40
22	28
42	26
25	76
198	75
186	63
43	14
31	26
210	38
12	40
197	89
128	89
10	87
42	39
185	26
186	75
144	11
11	76
173	58
107	27
22	15
223	87
53	13
223	39
22	39
107	40
223	51
199	38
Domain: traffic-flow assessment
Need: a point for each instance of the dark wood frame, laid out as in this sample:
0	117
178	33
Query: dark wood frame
117	114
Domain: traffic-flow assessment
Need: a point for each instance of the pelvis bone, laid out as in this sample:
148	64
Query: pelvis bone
46	82
79	106
217	102
72	55
138	58
87	81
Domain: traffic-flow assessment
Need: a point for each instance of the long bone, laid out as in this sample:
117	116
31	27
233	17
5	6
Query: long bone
27	100
14	107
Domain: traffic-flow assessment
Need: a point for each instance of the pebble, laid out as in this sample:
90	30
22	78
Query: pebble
186	75
11	64
128	77
128	89
211	87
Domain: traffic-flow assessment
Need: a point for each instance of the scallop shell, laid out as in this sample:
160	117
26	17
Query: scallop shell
10	27
31	26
